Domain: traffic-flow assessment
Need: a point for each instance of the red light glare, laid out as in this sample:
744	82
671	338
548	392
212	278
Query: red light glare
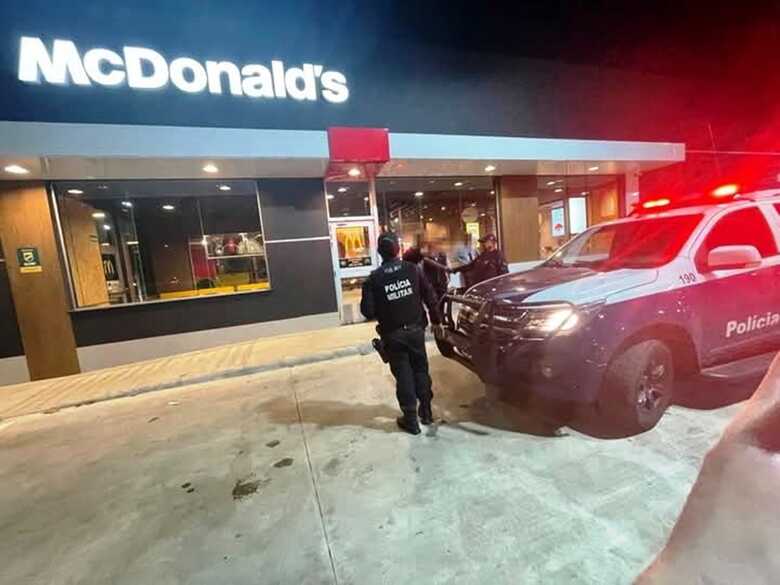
726	190
656	203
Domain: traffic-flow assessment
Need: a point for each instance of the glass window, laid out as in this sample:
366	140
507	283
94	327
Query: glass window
137	241
444	217
353	246
633	244
746	227
348	199
569	204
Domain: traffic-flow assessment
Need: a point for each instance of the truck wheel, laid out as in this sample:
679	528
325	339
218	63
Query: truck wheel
445	348
638	387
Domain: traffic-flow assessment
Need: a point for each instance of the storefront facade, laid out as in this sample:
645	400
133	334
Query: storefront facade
160	196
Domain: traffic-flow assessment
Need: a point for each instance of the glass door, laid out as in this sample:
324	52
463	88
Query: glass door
355	256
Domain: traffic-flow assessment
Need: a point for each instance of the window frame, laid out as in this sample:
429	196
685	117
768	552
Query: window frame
68	273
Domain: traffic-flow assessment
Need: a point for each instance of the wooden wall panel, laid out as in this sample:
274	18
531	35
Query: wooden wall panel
40	298
519	218
86	263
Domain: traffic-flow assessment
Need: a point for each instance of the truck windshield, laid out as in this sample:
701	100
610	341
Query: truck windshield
644	243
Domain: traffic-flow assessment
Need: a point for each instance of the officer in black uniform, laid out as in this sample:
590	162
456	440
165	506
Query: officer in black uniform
489	264
394	294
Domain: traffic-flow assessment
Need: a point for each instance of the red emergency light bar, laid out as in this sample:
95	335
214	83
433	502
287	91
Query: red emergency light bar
720	194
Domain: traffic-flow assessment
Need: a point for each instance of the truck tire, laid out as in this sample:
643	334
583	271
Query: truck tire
638	387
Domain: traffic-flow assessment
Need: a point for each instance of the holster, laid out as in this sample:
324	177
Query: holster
379	346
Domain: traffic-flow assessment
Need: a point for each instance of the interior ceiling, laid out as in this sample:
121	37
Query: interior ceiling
83	168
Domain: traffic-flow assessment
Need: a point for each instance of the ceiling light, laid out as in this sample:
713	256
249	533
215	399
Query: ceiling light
211	168
584	193
168	207
593	168
430	219
444	208
559	190
365	198
458	183
354	172
328	196
75	191
492	191
419	194
343	189
99	215
132	242
490	168
483	214
127	204
224	187
550	183
16	170
106	227
102	187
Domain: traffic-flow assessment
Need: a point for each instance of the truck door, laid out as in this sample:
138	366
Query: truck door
737	307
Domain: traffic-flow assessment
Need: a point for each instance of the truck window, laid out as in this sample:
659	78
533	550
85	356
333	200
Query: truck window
746	227
644	243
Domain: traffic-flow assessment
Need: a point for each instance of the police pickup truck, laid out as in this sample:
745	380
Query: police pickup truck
617	315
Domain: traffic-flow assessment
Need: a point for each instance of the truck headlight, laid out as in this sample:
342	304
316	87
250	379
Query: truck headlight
543	321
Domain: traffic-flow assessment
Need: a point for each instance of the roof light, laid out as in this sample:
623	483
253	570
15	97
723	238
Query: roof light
354	172
726	190
663	202
75	191
16	170
419	194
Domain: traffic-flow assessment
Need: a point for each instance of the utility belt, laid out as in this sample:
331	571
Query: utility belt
379	342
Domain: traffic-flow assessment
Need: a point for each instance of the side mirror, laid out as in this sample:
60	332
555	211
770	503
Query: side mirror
733	258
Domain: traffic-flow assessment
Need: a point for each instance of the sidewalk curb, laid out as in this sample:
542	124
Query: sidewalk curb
322	356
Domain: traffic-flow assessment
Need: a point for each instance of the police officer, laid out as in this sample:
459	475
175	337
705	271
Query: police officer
394	294
488	264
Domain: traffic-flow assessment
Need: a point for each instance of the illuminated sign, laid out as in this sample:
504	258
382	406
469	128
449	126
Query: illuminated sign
145	69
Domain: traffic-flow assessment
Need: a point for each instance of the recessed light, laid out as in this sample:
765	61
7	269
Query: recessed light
99	215
419	194
211	168
354	172
430	219
559	190
329	196
224	187
102	187
483	214
593	168
75	191
168	207
584	193
444	208
492	191
127	204
16	170
343	189
365	198
458	183
490	168
106	227
550	183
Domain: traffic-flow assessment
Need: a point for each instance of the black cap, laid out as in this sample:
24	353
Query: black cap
387	246
489	237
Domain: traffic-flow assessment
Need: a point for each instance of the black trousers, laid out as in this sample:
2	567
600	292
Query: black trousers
409	364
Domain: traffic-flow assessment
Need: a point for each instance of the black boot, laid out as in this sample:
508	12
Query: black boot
408	422
426	413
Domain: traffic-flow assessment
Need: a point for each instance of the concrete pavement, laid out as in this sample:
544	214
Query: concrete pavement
266	353
298	475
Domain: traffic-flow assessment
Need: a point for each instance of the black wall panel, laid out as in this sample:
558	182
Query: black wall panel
293	208
10	340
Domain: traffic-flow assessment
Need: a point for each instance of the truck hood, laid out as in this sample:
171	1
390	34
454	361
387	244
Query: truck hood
549	284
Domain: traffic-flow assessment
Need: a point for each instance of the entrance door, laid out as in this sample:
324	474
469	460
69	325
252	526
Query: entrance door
354	252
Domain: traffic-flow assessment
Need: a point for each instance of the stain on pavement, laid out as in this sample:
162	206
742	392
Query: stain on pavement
246	487
286	462
272	444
